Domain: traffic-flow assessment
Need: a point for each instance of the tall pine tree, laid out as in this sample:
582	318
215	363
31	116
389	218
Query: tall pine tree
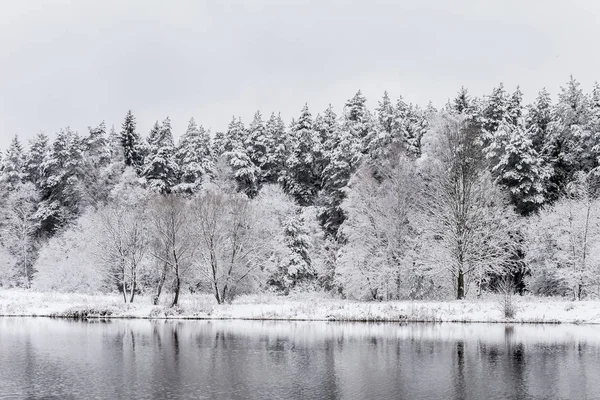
160	168
131	142
302	180
194	157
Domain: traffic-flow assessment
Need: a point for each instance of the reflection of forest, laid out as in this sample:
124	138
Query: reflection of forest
244	359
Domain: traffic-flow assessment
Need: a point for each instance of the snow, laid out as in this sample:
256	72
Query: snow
306	306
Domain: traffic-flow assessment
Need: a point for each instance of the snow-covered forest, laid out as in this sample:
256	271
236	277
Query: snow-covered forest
373	201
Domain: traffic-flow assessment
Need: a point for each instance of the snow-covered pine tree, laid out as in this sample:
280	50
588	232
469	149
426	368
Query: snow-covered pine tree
594	120
12	173
257	146
117	153
60	185
344	159
570	144
217	145
521	169
302	181
234	137
327	128
97	180
96	146
277	149
494	113
514	107
386	116
538	120
194	157
384	132
131	142
411	124
245	173
160	168
35	159
358	120
462	103
295	268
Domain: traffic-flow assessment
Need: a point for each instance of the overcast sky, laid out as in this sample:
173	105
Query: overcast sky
76	63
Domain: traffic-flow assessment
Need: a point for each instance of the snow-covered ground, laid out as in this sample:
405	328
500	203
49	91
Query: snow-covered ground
299	307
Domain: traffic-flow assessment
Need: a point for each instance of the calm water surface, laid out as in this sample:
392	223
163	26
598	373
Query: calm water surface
140	359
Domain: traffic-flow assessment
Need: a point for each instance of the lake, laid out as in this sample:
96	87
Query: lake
143	359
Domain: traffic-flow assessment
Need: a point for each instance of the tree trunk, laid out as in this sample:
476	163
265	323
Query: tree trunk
217	294
133	288
124	290
460	285
177	287
161	282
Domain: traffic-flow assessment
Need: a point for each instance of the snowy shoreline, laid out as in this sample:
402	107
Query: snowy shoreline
305	307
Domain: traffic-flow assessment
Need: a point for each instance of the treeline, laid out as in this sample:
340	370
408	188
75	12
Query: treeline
392	203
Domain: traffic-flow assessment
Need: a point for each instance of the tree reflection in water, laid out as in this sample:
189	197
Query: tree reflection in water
253	359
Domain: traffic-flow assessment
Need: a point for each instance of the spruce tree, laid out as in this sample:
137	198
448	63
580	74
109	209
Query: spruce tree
385	130
160	168
96	146
12	172
230	140
462	103
358	120
277	149
131	142
344	159
302	181
61	183
257	146
194	157
514	107
539	117
328	131
494	111
232	145
570	145
594	121
295	268
35	159
521	169
411	125
97	180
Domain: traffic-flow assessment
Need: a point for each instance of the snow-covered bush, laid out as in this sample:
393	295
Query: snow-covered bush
7	268
69	261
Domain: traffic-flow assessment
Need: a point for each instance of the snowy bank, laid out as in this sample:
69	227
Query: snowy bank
301	307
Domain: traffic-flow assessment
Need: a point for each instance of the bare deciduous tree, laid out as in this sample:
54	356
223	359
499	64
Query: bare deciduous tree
378	259
124	244
466	215
230	252
172	227
19	228
563	241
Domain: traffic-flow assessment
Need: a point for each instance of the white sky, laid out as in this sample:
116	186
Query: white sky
76	63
